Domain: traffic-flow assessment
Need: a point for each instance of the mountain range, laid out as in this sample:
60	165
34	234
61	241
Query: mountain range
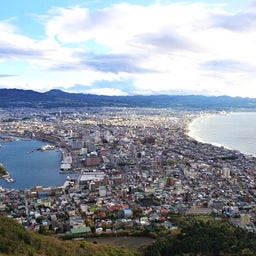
12	98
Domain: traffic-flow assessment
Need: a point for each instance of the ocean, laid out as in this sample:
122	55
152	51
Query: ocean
235	130
30	167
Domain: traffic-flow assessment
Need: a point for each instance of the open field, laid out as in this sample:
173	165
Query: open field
128	242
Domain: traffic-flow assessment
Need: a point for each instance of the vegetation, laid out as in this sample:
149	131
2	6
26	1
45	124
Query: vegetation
201	235
15	240
2	171
210	237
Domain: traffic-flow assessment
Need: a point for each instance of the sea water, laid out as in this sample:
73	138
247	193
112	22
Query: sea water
28	166
232	130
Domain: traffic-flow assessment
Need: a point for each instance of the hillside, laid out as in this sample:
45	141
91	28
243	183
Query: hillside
196	235
10	98
208	237
16	241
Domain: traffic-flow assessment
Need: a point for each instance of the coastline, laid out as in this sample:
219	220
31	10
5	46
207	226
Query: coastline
6	175
189	127
190	132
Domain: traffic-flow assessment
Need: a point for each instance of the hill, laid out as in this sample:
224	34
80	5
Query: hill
16	241
10	98
208	237
196	235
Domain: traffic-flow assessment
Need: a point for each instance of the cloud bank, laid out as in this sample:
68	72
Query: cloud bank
184	48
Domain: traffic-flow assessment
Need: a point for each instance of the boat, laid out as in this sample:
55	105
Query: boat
47	147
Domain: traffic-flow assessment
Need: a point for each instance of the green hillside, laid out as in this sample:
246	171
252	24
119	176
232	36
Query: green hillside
16	241
208	237
195	236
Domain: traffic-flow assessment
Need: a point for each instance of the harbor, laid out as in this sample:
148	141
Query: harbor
27	169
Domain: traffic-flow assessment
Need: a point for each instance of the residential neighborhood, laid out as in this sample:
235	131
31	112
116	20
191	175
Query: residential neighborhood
127	170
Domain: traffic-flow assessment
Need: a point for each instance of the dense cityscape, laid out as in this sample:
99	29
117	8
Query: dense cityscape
127	128
127	169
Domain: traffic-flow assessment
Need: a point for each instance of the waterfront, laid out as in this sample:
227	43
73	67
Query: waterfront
29	167
231	130
128	161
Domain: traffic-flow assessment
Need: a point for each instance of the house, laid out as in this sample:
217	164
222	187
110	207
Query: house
81	230
125	213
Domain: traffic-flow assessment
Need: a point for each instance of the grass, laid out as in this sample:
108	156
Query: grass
15	240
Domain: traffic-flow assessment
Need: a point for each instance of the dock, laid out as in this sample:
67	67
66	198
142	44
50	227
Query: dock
8	178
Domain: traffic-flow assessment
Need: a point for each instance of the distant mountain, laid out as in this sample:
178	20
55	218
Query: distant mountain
57	98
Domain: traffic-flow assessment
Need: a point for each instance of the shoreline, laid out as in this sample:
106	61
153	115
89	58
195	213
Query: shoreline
189	133
189	130
6	176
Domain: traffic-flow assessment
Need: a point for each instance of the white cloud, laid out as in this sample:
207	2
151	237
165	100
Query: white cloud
106	91
162	48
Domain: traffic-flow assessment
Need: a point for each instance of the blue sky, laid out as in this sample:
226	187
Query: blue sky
129	47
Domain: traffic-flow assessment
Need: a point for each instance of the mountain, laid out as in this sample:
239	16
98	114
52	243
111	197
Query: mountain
11	98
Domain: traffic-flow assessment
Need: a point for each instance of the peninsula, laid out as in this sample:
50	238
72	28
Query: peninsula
4	174
3	171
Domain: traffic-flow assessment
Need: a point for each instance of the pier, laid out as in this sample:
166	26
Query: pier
9	179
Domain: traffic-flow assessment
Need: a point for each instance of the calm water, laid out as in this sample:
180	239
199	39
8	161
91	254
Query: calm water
29	168
234	130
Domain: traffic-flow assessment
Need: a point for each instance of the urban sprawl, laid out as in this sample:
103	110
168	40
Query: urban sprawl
127	169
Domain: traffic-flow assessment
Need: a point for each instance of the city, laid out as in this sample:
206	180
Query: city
127	170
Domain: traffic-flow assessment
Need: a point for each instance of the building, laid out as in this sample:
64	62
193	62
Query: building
102	191
86	177
244	219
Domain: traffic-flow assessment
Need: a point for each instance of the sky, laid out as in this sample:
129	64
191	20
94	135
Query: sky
143	47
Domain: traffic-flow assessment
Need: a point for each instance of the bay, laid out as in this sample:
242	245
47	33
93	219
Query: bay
30	167
235	130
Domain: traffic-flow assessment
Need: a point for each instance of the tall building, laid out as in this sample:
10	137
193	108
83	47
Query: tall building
244	219
226	172
92	186
102	191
